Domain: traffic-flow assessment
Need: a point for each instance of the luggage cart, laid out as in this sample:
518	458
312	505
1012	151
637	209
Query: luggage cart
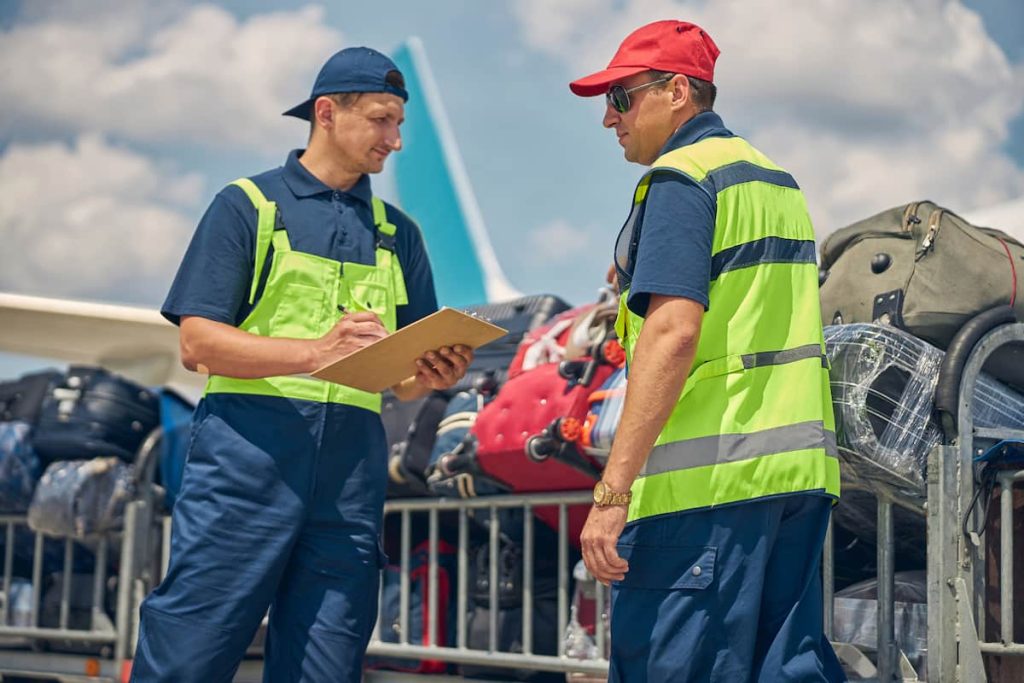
100	650
956	552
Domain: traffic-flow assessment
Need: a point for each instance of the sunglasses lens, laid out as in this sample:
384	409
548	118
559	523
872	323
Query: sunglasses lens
618	98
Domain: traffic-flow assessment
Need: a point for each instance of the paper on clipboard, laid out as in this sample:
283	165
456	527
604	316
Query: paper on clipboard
390	360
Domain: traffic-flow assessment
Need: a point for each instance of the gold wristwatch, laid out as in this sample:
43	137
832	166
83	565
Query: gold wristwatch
605	497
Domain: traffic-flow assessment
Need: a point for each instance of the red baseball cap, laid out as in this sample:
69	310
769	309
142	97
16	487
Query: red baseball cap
676	46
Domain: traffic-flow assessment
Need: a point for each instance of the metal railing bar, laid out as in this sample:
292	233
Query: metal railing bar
492	614
403	600
528	554
599	611
94	636
480	657
563	575
432	594
99	578
1015	649
165	555
65	587
8	572
463	561
1006	560
998	433
486	502
37	577
886	609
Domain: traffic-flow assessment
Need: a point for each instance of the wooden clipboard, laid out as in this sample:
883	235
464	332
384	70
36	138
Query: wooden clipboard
390	360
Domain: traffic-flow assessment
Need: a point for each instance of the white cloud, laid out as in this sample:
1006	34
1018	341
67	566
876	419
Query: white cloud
92	220
558	242
203	77
868	104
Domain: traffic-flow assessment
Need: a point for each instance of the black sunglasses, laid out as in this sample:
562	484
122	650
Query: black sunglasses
618	97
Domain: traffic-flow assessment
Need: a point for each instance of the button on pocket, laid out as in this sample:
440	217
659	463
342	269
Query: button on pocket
668	567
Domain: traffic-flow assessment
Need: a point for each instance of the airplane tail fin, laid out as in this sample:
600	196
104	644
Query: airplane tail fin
434	188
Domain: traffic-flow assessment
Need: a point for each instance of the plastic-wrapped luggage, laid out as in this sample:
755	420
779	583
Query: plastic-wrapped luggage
81	498
883	386
856	621
94	413
411	428
19	467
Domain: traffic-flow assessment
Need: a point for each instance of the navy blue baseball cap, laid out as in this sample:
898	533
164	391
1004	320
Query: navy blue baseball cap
354	69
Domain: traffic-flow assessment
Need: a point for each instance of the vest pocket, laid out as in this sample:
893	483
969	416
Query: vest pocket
299	312
367	294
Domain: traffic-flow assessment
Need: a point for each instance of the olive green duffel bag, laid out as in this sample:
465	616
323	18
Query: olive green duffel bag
919	267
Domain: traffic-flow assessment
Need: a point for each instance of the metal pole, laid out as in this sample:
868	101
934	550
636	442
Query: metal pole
99	578
432	582
563	576
528	554
37	577
828	580
1006	559
8	572
403	599
886	585
65	584
462	578
492	625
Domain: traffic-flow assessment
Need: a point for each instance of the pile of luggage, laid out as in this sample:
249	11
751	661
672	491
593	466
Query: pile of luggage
75	448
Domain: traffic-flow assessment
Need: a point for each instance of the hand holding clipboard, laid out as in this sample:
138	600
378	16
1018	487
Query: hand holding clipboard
390	360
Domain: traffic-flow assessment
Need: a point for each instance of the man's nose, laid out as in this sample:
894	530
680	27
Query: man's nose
395	140
611	117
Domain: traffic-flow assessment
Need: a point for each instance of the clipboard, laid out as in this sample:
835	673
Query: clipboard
388	361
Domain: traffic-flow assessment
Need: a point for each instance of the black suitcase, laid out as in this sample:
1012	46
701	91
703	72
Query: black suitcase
411	429
21	399
94	413
518	316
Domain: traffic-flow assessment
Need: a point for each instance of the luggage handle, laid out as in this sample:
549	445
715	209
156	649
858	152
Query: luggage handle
947	389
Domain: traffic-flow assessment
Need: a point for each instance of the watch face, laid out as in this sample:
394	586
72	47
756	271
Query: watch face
599	492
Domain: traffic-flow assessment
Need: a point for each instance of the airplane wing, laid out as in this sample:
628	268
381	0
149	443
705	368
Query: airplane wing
135	342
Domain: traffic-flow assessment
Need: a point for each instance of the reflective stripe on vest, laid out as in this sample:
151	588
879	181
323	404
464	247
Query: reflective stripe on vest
755	416
303	299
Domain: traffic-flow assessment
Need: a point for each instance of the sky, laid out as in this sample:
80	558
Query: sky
121	120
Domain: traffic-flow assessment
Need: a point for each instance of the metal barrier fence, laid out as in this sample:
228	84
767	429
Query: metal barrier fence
459	652
956	572
106	642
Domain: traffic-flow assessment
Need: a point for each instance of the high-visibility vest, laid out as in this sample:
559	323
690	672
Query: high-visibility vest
303	299
755	415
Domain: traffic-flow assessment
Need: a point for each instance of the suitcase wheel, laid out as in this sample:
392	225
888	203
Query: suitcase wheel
540	447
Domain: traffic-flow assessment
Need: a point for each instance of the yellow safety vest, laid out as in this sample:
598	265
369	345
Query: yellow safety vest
755	416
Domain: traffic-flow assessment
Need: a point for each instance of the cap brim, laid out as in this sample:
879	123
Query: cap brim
597	84
301	111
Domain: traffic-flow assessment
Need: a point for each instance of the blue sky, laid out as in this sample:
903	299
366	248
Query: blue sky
120	122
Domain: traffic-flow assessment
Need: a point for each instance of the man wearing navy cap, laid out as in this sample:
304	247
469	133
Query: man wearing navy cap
711	513
282	495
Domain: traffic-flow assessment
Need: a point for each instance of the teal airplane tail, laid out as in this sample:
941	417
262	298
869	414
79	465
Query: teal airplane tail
434	189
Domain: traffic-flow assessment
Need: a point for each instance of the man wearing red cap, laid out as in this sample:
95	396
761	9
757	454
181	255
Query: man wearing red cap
711	514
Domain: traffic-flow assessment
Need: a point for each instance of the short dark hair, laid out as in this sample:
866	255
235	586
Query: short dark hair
701	92
347	99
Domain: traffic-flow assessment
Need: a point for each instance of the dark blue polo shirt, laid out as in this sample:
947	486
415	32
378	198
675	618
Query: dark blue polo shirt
677	227
214	278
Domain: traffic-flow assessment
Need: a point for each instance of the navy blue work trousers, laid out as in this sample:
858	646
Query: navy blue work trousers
730	594
280	508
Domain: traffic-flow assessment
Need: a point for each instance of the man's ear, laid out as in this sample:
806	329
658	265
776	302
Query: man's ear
323	111
680	91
